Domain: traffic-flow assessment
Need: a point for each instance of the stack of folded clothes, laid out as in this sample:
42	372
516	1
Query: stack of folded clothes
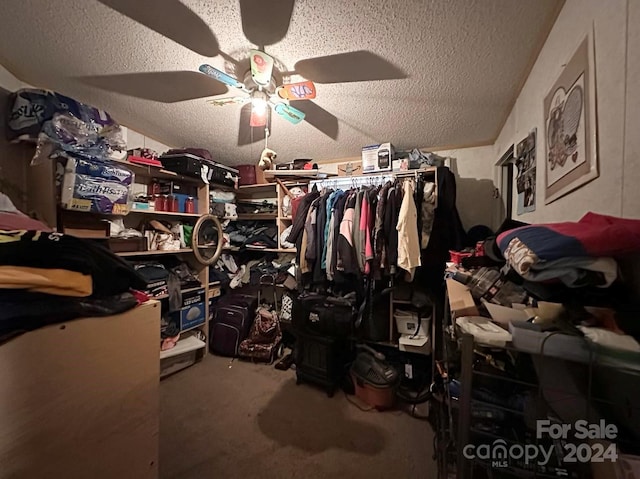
48	277
253	234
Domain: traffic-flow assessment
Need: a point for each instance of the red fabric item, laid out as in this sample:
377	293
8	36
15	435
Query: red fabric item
594	235
141	296
295	203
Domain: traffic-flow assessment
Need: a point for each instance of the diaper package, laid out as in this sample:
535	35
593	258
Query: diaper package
96	186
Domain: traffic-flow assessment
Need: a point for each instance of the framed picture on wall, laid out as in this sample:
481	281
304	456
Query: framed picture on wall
570	133
526	177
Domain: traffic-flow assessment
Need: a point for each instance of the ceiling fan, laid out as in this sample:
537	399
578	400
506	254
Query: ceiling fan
259	84
260	91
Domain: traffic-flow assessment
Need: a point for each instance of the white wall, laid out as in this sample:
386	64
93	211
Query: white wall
474	172
631	166
138	140
613	89
14	158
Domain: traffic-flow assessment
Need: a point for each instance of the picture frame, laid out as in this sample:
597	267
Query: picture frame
570	125
526	167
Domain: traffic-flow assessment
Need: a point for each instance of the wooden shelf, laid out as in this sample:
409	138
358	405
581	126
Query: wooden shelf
155	252
189	290
401	301
214	283
166	213
192	328
271	250
256	216
261	187
286	218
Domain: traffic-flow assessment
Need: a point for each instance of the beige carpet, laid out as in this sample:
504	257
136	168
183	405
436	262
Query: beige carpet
225	420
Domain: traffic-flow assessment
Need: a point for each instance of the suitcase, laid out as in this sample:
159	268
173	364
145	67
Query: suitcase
232	319
191	165
328	316
247	175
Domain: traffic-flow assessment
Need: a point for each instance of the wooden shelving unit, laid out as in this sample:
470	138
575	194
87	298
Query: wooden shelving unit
41	181
165	213
268	191
256	216
154	252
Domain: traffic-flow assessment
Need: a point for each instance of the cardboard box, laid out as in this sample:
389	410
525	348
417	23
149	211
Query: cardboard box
377	158
350	168
461	302
192	313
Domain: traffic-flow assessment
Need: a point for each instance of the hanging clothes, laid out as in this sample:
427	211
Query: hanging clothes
379	238
428	208
394	200
362	231
334	232
346	260
407	226
310	229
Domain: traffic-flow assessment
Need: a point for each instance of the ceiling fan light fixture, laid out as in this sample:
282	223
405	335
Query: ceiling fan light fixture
259	106
259	112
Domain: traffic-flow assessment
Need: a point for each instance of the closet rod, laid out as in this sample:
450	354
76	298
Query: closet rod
371	179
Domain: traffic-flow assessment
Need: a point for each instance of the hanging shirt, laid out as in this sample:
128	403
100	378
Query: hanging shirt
336	216
408	241
346	260
392	210
379	239
428	213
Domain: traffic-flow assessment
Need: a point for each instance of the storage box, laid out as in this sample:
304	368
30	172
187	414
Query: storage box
350	168
186	352
247	175
192	313
127	245
417	344
140	206
407	322
82	225
377	158
461	302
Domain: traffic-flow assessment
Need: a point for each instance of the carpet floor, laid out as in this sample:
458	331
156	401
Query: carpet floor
226	420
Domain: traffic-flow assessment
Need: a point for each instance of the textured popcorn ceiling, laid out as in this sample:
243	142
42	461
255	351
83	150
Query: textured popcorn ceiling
464	61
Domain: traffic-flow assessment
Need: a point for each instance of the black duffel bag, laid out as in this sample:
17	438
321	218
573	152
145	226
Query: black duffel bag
324	315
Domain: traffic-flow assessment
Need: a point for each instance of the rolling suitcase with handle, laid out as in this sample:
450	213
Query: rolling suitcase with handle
232	319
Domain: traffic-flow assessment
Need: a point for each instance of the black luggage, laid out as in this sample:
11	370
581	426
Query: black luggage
191	165
232	317
325	315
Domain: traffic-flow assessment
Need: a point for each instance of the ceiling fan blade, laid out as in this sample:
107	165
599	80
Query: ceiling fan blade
261	67
304	90
246	133
222	77
361	65
172	19
230	100
319	118
289	113
164	87
265	22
